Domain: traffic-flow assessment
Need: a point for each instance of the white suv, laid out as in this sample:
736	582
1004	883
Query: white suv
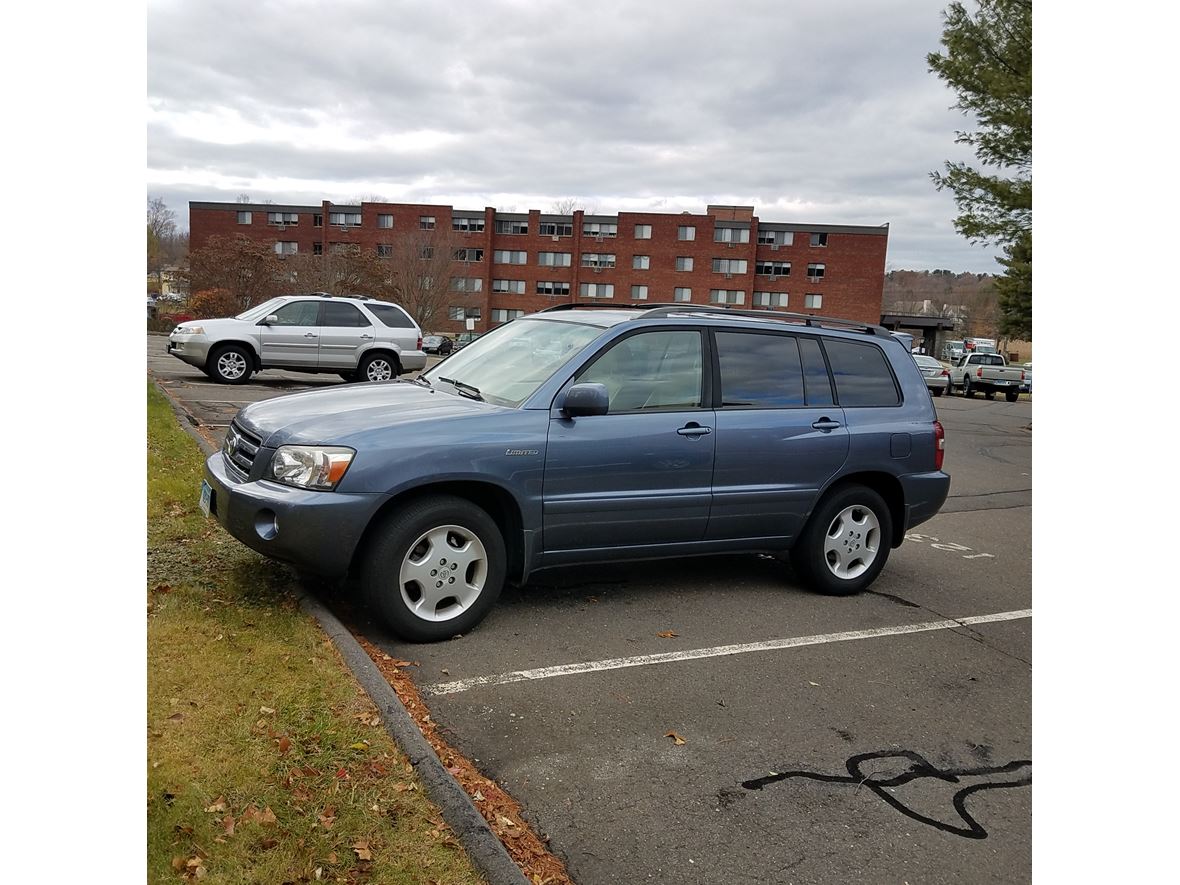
357	338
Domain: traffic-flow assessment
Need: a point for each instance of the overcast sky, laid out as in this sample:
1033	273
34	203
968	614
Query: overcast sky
809	112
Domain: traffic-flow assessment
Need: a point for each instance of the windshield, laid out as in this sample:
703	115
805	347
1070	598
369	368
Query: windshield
258	311
508	364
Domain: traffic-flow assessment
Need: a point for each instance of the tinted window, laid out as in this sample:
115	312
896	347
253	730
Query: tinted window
862	374
815	374
338	314
391	316
651	370
759	370
299	313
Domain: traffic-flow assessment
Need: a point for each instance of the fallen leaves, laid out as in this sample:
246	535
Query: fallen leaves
362	850
667	634
676	739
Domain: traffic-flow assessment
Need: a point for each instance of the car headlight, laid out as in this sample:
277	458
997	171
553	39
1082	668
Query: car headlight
310	467
190	330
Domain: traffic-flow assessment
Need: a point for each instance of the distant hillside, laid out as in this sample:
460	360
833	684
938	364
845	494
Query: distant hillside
970	297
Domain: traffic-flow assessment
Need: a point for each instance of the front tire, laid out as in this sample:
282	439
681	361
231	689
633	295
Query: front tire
967	391
845	543
435	568
378	367
231	364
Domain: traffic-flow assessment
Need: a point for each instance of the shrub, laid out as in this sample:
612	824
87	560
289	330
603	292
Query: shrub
210	303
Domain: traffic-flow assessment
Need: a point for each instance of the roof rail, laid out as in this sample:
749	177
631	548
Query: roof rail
578	305
806	319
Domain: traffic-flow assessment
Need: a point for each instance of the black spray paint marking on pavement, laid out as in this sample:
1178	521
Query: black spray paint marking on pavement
919	768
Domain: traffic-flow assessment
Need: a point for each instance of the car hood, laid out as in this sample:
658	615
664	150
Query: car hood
336	415
216	328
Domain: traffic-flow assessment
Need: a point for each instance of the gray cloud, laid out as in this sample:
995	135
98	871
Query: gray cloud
820	113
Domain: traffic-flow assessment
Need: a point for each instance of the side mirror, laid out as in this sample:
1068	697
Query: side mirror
271	320
590	398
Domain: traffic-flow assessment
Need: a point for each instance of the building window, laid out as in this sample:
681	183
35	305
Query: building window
550	287
727	296
684	263
317	248
596	290
426	222
681	293
283	218
729	265
813	300
345	219
425	252
731	235
643	231
770	299
555	229
466	284
384	250
599	229
286	247
639	293
317	220
554	259
641	262
516	287
344	248
467	255
815	272
775	238
505	315
464	313
598	259
773	268
686	232
385	221
512	227
245	217
819	239
504	256
467	225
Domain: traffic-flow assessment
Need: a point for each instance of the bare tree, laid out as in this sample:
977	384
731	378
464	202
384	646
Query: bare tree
420	270
249	271
243	198
568	205
341	271
161	228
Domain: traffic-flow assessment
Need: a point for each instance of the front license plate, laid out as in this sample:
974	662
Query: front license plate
206	497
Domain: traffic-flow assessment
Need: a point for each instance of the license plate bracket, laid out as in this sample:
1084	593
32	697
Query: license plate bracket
206	502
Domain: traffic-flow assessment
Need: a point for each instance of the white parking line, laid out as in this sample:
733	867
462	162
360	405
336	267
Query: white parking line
716	652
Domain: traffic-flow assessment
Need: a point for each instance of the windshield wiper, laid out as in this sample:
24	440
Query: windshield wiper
421	380
465	389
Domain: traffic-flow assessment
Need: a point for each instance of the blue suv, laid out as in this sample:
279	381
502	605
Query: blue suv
586	433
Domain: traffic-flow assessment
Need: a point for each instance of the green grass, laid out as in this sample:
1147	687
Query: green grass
266	760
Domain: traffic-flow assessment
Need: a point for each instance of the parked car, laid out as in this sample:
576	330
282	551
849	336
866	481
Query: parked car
465	338
1026	387
357	338
938	376
579	435
952	351
438	344
988	372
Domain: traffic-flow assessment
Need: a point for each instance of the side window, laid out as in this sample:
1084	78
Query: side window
816	379
391	316
340	314
759	370
651	370
299	313
863	377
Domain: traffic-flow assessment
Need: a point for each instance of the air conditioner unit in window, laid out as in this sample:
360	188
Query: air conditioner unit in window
598	238
773	279
597	269
729	276
774	247
729	245
556	238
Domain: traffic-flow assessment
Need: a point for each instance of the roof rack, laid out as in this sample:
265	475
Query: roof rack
652	309
578	305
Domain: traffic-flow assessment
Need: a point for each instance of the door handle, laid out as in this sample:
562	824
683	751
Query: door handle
310	335
825	424
366	337
694	430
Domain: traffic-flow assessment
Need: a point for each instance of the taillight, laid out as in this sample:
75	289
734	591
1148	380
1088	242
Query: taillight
1022	374
419	347
979	373
946	373
939	445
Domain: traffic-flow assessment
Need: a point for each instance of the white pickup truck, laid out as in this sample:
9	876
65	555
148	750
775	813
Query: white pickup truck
987	372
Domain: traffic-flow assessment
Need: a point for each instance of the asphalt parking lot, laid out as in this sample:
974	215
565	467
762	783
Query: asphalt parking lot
710	721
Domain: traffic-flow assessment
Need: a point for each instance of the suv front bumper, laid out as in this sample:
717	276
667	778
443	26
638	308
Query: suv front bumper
315	531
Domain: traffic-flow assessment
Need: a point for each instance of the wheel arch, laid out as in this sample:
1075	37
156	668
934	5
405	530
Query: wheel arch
247	345
494	500
884	484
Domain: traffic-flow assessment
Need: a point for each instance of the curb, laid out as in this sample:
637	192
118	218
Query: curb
487	852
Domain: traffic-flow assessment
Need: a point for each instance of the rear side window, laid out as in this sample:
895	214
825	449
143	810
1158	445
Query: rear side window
862	374
815	373
339	314
392	316
759	370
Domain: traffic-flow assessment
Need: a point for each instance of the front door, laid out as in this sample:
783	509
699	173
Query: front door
293	339
641	474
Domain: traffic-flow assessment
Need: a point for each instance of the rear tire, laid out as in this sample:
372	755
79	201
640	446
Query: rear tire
937	391
846	542
1011	395
378	367
434	569
231	364
967	391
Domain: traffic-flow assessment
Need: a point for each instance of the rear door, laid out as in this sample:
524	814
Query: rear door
780	436
344	330
641	474
294	338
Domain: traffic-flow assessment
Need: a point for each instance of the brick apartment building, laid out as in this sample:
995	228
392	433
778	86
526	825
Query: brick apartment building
510	263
